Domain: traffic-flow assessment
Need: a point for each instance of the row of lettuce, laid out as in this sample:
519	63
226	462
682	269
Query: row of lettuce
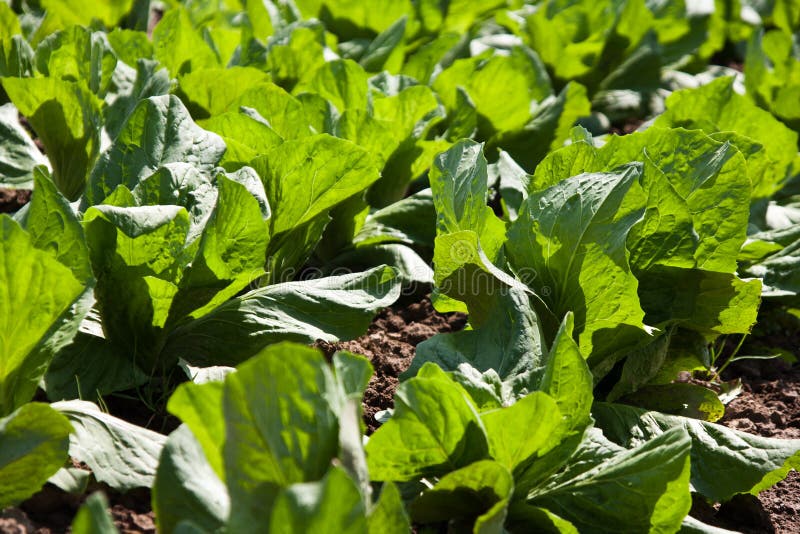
202	188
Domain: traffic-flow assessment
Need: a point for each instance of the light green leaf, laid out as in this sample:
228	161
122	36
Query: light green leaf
501	87
214	91
342	82
200	408
186	488
120	454
648	484
159	131
570	241
724	461
333	503
389	514
54	226
334	308
94	517
716	107
137	284
434	430
306	177
148	79
77	55
538	413
274	440
66	117
33	446
36	302
179	47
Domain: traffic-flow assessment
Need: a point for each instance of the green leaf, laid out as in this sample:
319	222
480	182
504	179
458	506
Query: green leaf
137	284
186	488
159	131
246	134
332	309
273	440
567	378
9	24
18	153
94	517
33	446
64	55
306	177
687	400
179	47
501	87
214	91
568	245
235	238
724	461
716	107
91	367
385	52
342	82
648	484
120	454
333	503
66	117
61	14
148	79
410	221
295	53
537	412
200	408
54	226
37	298
389	514
283	112
509	343
130	46
435	429
476	494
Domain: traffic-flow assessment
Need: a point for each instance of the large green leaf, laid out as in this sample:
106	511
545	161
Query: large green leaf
214	91
33	446
54	226
137	255
306	177
64	55
435	429
333	503
716	107
179	47
158	131
334	308
277	439
568	245
648	486
66	117
186	488
501	87
724	461
38	293
120	454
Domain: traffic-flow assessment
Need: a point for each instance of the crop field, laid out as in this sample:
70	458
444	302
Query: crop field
392	266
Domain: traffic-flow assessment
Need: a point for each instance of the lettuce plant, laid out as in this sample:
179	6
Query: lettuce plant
274	447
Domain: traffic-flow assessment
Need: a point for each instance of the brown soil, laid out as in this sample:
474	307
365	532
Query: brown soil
13	199
390	344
